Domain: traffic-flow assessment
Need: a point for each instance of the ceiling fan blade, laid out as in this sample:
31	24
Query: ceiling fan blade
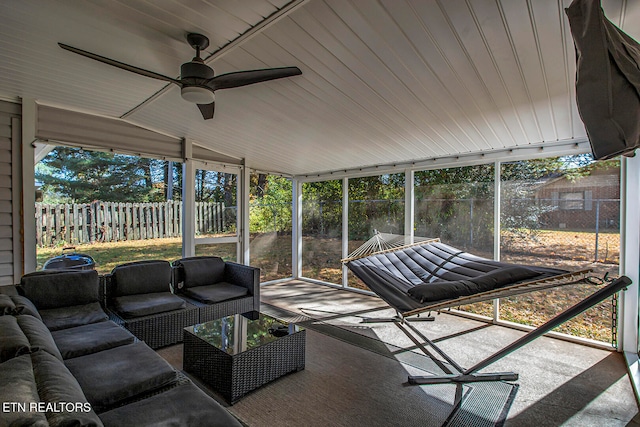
119	64
243	78
207	110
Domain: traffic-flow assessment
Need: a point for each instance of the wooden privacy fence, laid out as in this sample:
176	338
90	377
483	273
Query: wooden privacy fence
112	222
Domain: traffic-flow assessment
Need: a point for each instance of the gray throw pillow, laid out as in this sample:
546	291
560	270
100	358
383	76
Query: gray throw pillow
444	290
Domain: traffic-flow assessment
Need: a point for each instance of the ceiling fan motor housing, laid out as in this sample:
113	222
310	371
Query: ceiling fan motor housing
194	76
195	69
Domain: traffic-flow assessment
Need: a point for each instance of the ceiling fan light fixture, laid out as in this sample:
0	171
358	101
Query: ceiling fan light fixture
197	95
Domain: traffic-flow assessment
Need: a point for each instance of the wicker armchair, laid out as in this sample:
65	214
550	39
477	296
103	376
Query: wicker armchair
216	287
139	298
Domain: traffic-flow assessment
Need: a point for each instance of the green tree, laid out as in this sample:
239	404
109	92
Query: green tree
258	185
322	208
270	203
376	203
213	186
456	205
72	174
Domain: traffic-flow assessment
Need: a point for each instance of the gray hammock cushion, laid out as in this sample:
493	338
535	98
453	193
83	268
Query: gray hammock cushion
415	276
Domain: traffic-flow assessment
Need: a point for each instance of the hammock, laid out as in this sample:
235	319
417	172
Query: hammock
430	275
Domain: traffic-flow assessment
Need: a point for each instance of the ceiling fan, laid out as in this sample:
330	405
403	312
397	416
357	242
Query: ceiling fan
197	80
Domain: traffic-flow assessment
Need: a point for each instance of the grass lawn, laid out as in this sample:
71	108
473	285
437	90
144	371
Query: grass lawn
269	252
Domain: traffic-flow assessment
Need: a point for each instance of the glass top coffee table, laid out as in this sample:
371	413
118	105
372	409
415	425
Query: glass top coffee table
237	354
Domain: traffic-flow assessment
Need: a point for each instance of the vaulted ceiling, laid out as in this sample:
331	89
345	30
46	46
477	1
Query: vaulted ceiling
384	81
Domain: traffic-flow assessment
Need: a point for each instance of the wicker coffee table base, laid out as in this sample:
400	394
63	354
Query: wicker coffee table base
233	376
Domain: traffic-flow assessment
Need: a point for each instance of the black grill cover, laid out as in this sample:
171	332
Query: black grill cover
71	261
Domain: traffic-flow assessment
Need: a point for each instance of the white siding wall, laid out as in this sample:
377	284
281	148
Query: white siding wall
10	255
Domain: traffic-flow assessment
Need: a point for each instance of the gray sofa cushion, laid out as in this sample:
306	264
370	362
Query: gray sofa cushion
18	373
212	294
25	306
13	342
141	277
62	288
145	304
56	384
7	306
88	339
113	375
202	271
185	405
70	317
38	335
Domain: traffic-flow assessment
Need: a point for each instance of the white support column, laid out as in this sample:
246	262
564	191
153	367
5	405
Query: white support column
296	228
496	227
29	123
409	204
345	228
629	266
244	255
496	210
630	248
188	201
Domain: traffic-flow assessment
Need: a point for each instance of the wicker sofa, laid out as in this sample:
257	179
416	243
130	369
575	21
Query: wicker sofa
63	362
216	287
156	300
138	297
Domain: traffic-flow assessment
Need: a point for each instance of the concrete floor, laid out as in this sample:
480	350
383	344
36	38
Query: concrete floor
561	383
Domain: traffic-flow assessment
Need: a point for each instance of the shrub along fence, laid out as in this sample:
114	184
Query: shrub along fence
111	222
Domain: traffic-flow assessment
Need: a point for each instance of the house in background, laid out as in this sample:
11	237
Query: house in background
586	203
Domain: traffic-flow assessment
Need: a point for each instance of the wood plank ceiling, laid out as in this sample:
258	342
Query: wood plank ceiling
384	81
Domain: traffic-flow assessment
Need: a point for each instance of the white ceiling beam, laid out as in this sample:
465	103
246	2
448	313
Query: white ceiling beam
534	151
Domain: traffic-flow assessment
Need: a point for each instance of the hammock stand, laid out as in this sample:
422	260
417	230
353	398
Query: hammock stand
392	271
